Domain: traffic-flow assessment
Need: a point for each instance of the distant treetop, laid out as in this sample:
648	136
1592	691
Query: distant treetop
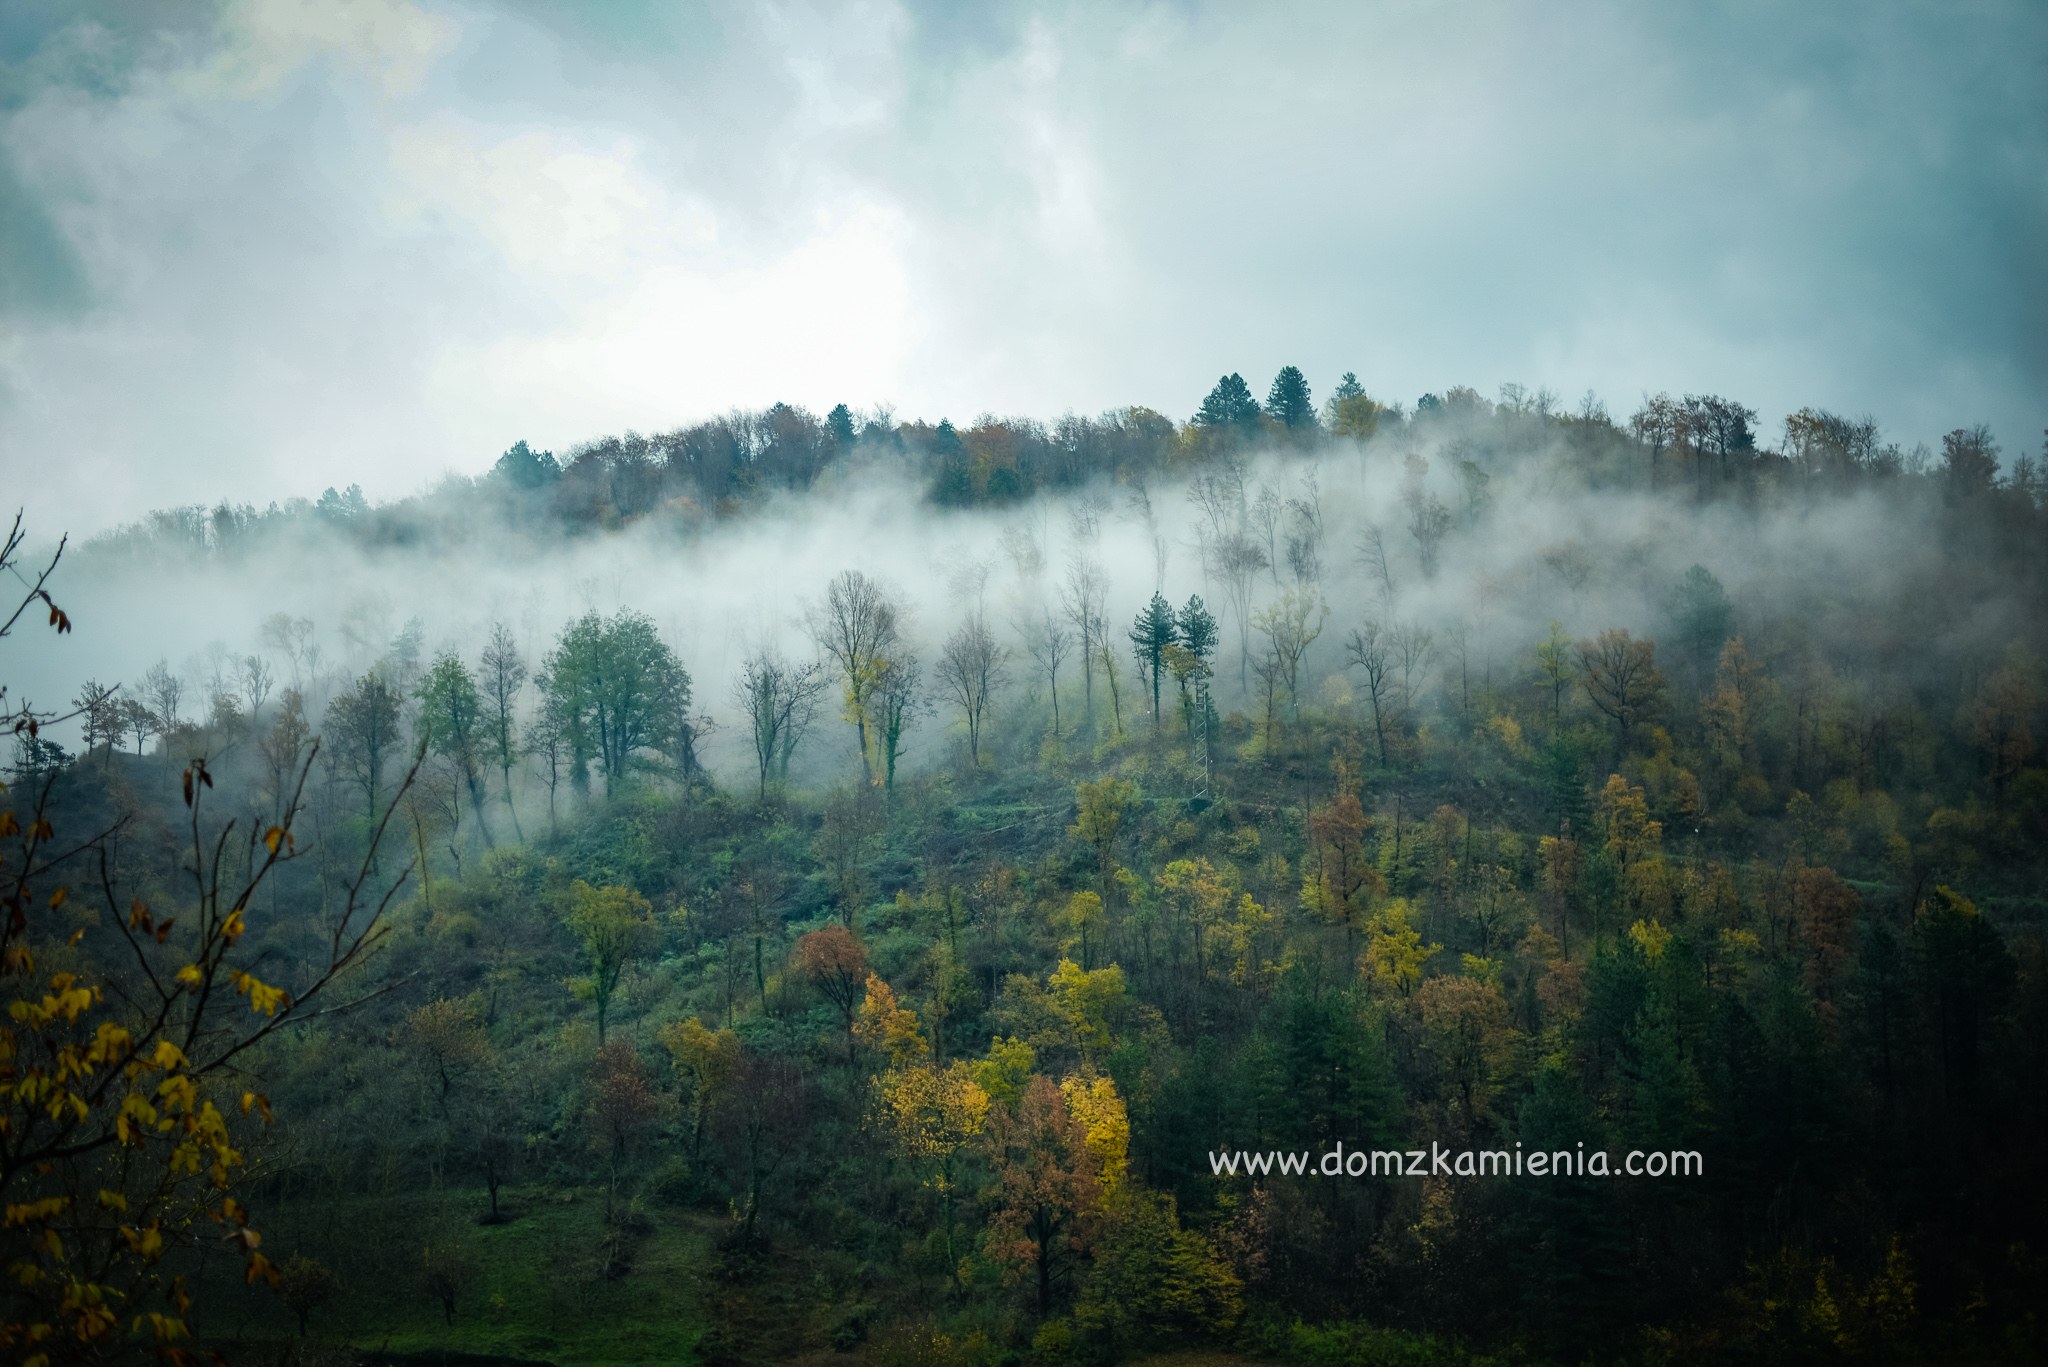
1230	404
1287	402
524	468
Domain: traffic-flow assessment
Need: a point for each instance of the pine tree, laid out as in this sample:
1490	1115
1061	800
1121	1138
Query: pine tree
1230	404
525	468
1197	629
1287	402
952	482
1151	634
839	422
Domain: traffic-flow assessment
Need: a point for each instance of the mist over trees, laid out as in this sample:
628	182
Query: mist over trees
880	865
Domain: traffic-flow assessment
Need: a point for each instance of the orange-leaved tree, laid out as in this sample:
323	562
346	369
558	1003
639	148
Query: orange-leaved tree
1048	1191
833	961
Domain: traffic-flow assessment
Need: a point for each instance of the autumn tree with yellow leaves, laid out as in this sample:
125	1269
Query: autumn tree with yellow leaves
930	1113
119	1151
615	926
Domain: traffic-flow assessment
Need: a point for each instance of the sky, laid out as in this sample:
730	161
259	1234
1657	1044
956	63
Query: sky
253	249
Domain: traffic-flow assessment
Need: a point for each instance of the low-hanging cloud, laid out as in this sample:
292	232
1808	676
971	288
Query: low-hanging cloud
1856	582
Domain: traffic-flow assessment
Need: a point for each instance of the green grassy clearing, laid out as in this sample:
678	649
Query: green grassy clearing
532	1288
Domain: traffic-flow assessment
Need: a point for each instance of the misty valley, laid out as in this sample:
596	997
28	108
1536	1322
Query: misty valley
804	888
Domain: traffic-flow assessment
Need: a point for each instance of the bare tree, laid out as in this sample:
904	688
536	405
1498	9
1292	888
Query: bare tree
1428	518
1305	533
257	680
1267	669
1084	519
163	691
1414	648
967	580
1026	551
779	700
501	673
547	740
283	747
1621	677
897	698
1370	650
291	637
1084	601
970	669
1264	517
1290	624
1372	550
366	626
1048	643
1106	658
1219	500
1572	563
847	836
855	625
1141	510
219	676
1238	562
1656	424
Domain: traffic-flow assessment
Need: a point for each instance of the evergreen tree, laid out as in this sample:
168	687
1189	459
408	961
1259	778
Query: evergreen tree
1197	629
1287	402
952	483
344	507
1568	1231
1701	618
524	468
1229	405
839	422
1151	634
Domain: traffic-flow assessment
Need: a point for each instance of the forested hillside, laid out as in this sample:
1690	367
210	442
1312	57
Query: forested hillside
840	889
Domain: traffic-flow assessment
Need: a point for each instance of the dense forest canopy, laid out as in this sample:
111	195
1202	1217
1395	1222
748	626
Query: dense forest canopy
829	883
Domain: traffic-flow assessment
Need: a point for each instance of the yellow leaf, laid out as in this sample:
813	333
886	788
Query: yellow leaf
31	1211
263	998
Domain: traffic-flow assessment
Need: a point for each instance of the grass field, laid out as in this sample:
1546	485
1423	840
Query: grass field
531	1289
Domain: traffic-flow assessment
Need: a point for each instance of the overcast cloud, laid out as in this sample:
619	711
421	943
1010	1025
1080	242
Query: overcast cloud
271	246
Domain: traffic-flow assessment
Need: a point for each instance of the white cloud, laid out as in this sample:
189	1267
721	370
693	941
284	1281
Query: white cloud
392	43
378	240
681	338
